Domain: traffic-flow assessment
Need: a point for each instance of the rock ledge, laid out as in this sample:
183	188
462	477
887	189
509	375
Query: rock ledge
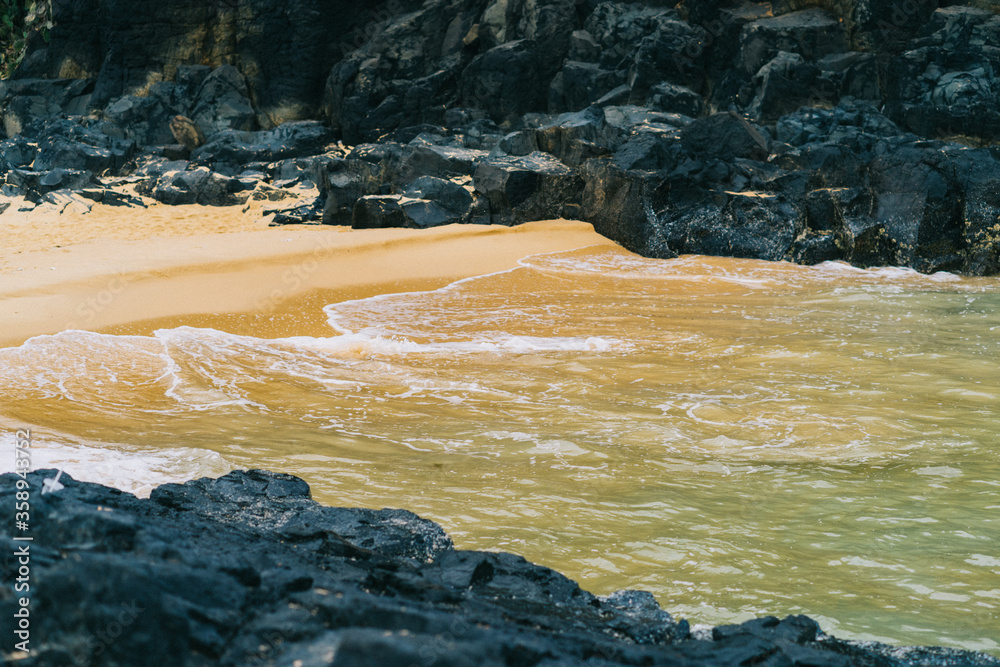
248	570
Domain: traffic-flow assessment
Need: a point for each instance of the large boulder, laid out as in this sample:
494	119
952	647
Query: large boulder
32	102
70	145
739	224
811	33
43	182
381	211
229	150
725	136
580	84
508	80
531	187
223	102
344	183
179	182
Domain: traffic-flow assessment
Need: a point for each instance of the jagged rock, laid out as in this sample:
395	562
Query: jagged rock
347	181
580	84
725	136
146	118
17	152
782	85
811	33
382	211
23	111
285	51
980	215
847	75
246	569
673	53
673	98
440	161
307	172
228	150
886	27
945	85
423	213
378	212
532	187
196	185
746	224
571	137
508	80
112	198
300	211
223	103
42	182
648	151
446	194
576	137
583	47
186	132
26	102
54	151
618	28
630	118
917	209
815	247
67	200
406	74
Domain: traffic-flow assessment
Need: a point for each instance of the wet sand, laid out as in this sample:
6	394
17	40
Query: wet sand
113	267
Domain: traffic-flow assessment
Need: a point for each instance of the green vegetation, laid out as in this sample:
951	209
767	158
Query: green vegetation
18	20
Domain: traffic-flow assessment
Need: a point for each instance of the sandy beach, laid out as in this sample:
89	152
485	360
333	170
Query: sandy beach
133	270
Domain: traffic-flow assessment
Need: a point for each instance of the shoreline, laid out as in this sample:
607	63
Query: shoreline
358	586
246	268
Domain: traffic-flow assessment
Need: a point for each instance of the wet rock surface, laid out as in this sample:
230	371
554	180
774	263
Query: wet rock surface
846	130
246	569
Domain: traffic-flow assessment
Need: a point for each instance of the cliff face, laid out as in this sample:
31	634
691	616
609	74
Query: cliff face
806	130
394	63
285	49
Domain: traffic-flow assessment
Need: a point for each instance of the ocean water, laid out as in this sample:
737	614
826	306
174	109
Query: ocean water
738	437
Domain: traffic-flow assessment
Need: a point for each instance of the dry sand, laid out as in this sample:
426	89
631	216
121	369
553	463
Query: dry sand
129	270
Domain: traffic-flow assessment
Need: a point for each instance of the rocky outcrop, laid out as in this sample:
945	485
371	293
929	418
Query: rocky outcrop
247	570
806	131
285	50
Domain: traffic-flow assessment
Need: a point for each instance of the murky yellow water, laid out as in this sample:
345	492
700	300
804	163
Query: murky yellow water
738	437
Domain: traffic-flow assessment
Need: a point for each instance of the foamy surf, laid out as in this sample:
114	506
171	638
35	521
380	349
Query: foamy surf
722	420
137	470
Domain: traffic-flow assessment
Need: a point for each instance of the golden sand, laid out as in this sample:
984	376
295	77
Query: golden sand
116	266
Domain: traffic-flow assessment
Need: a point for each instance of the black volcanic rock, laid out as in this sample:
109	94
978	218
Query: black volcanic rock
703	126
284	49
532	187
725	136
231	149
246	569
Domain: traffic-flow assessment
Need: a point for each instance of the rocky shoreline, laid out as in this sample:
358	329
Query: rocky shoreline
247	570
845	130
